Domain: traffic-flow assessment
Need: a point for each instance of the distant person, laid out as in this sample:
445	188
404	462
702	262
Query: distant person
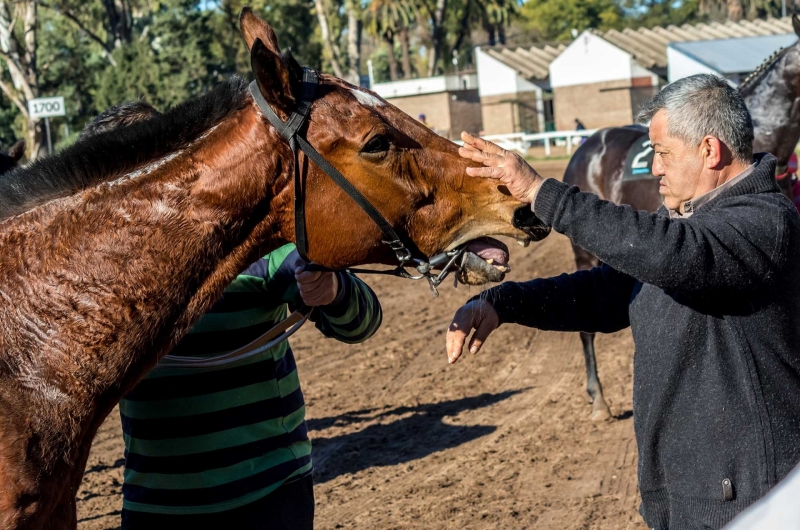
422	120
579	126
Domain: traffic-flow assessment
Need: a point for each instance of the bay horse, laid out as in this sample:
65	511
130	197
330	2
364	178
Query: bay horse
9	161
113	248
771	93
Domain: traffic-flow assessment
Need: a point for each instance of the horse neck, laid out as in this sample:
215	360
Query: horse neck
98	286
774	104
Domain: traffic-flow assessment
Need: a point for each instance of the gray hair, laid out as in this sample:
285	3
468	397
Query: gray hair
704	104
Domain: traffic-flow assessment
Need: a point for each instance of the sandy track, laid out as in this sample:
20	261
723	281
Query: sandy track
403	440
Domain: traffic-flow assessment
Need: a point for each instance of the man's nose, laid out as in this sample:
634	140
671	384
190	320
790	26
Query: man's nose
658	167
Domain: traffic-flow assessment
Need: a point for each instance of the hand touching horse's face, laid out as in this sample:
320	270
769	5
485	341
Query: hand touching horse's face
414	177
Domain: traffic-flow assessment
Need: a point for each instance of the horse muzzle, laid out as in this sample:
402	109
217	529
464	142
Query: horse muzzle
524	219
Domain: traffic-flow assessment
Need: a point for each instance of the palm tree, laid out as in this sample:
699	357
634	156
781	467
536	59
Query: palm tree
388	18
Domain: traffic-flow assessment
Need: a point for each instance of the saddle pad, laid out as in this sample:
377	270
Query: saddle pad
639	163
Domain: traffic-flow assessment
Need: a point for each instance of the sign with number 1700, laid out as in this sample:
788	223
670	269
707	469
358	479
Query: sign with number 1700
46	107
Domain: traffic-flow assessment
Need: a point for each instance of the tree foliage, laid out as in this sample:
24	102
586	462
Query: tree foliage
97	53
555	19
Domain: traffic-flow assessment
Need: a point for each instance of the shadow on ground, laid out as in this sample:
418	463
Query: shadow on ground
403	440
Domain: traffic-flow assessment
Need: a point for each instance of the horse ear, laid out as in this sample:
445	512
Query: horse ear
277	78
796	24
17	150
253	28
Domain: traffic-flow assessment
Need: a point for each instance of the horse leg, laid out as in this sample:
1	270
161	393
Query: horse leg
600	410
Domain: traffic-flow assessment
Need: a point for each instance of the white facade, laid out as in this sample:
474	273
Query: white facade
591	59
680	66
426	85
496	78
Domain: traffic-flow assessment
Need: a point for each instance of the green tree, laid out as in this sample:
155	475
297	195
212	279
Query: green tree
386	19
555	19
649	13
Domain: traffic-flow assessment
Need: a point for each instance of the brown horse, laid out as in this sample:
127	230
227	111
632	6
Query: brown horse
772	94
115	247
9	161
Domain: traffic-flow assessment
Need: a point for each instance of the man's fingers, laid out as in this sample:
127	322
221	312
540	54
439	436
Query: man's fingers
481	144
455	341
306	277
482	157
485	327
457	335
489	172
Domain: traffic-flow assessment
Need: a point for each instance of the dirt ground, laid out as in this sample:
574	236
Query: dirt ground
403	440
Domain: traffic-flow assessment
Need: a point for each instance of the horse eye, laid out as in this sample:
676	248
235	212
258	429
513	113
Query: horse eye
376	144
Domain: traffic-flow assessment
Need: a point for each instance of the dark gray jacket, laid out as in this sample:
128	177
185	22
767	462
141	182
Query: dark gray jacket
714	305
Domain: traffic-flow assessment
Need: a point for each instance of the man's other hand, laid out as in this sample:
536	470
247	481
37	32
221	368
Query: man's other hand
509	168
479	315
316	288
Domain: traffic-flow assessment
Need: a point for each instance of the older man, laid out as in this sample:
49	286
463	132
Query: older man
709	287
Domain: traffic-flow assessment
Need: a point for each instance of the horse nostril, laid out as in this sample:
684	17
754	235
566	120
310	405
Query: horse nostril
504	191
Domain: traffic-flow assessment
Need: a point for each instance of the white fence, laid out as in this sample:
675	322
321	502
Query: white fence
521	142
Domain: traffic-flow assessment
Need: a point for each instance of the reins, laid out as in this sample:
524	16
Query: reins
290	131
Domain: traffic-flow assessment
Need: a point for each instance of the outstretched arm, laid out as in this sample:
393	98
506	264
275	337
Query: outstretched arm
736	249
593	301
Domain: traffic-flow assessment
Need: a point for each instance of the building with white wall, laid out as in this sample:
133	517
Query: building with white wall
602	77
733	59
514	88
599	83
450	103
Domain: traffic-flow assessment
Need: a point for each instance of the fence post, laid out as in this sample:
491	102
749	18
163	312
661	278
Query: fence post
547	147
569	145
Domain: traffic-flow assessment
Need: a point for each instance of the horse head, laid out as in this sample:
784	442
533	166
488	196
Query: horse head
414	177
772	94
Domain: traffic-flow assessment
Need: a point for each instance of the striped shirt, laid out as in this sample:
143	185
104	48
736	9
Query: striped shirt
203	440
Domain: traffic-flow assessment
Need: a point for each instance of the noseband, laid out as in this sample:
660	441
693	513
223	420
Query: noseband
290	131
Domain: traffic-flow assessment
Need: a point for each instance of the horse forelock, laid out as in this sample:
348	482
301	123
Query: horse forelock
120	154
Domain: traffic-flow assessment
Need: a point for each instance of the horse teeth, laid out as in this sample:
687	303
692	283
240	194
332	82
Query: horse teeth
490	261
521	243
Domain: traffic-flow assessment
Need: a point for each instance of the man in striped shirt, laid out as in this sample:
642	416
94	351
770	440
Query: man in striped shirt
227	446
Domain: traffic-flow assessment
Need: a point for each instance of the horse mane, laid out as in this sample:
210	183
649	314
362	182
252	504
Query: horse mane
756	75
105	156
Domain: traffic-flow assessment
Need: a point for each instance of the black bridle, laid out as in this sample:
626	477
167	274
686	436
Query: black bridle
290	131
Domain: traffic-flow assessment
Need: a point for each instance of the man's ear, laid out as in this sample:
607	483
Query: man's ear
278	78
713	150
253	28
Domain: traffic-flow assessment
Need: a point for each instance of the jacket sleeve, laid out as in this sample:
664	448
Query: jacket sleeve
735	249
594	301
354	316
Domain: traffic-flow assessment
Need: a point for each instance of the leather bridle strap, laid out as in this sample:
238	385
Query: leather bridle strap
290	131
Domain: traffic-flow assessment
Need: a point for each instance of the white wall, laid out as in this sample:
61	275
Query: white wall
496	78
589	59
680	66
426	85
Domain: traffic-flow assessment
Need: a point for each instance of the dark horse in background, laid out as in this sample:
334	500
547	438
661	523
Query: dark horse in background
612	163
9	161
